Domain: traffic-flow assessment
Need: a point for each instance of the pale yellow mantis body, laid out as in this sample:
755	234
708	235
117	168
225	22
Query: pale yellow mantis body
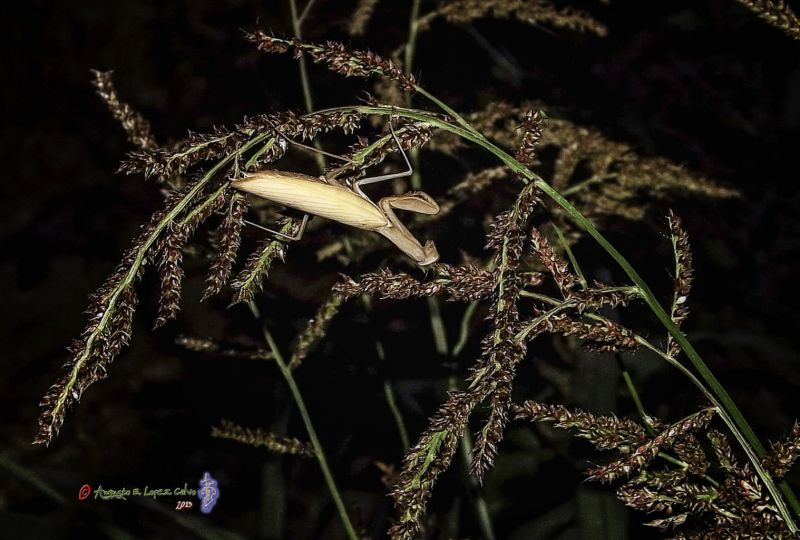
352	207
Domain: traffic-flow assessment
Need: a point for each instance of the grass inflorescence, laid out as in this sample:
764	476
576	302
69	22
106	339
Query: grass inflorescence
686	473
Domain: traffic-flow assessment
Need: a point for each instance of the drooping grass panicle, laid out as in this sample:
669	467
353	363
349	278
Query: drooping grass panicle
599	336
494	373
229	237
110	313
135	125
777	13
426	460
605	432
275	127
111	307
454	283
677	488
533	12
555	265
531	128
250	279
602	176
338	58
645	453
682	280
227	350
315	330
492	376
171	270
260	438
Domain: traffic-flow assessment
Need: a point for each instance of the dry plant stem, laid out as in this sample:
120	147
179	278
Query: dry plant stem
312	434
735	420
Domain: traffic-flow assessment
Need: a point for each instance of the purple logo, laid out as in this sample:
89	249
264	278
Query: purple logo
208	493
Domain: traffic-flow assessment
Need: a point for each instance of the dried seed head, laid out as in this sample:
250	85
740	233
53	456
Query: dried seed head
688	449
229	237
683	278
784	453
337	58
315	329
532	133
258	437
554	264
209	346
249	280
134	124
645	453
535	12
605	432
602	336
424	463
110	313
455	283
172	161
169	266
777	13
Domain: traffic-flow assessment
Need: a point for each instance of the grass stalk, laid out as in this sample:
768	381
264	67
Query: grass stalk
408	64
388	391
297	29
571	255
312	433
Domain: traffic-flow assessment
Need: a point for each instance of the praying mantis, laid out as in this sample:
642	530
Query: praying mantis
322	197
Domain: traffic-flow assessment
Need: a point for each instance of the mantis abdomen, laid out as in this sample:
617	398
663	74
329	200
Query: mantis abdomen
313	196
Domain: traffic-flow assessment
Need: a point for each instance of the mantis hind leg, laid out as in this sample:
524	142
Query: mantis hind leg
294	238
375	179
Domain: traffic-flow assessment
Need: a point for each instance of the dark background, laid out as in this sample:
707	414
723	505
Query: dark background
703	83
